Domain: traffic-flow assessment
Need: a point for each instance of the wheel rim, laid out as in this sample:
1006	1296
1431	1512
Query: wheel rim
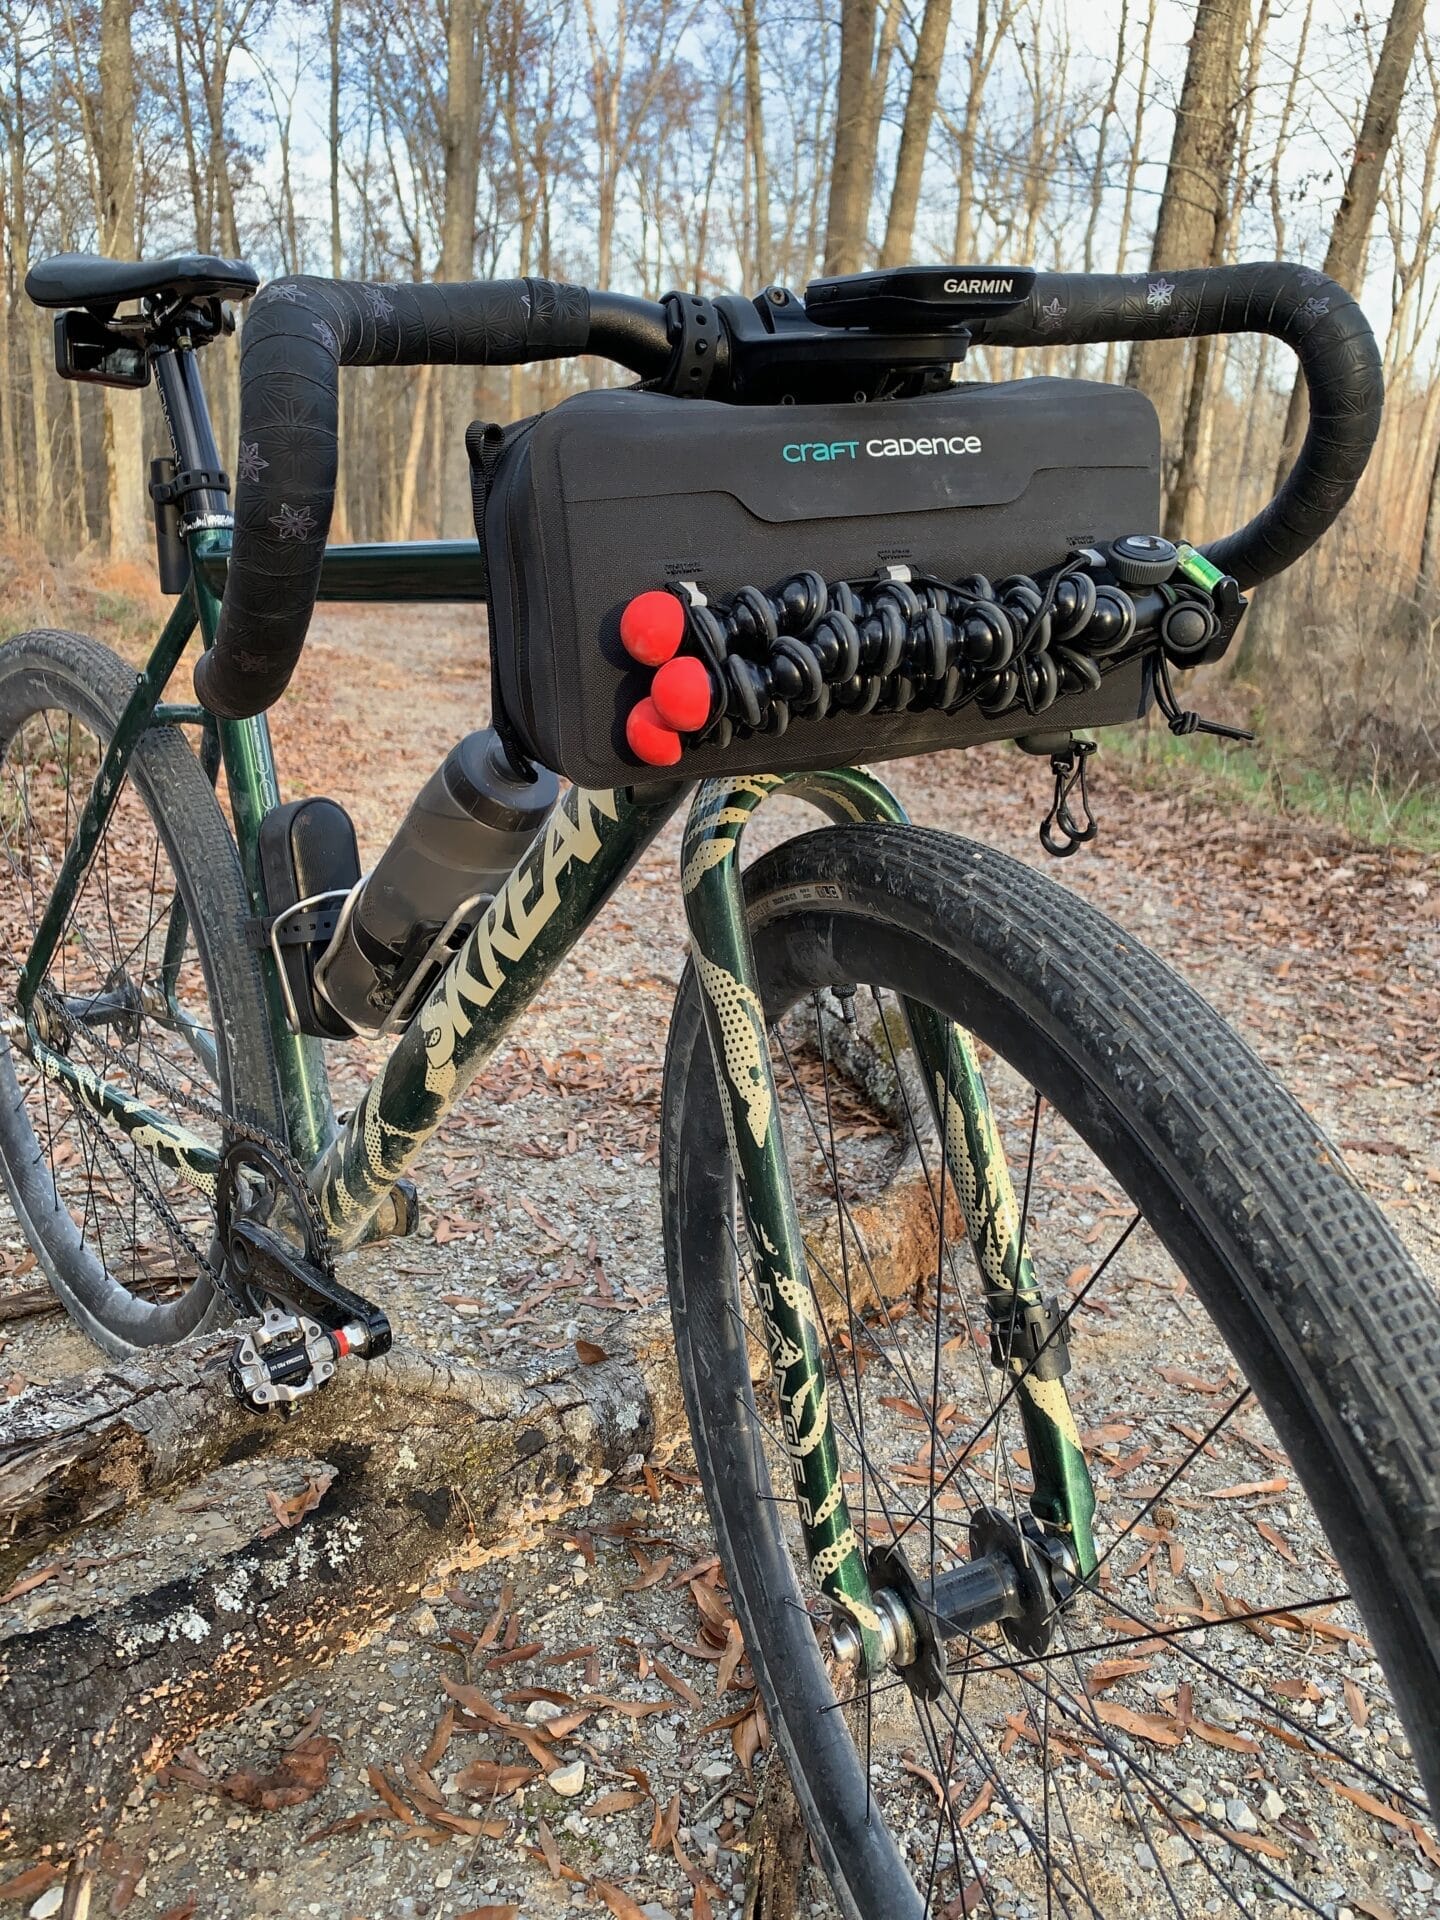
125	1238
1146	1677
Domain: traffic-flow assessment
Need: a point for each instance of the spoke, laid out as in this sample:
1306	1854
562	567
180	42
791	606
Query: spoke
1196	1450
1416	1804
1157	1790
1112	1749
976	1748
940	1264
958	1836
854	1358
937	1439
1006	1367
1064	1320
986	1384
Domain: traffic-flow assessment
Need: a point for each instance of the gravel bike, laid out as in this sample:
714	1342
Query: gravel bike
1066	1412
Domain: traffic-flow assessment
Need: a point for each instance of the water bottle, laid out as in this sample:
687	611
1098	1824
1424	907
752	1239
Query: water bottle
466	828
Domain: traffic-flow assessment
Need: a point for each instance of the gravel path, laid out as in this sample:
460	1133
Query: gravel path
541	1227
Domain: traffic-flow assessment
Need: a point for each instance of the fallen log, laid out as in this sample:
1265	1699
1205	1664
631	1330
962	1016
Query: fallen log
166	1558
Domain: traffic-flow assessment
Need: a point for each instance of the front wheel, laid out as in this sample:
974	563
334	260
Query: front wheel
1201	1724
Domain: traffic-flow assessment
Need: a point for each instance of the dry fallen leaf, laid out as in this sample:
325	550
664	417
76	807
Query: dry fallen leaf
1277	1540
619	1902
747	1737
302	1771
652	1572
1367	1803
615	1803
348	1823
292	1511
733	1655
549	1849
979	1806
681	1688
1253	1843
1145	1726
1355	1701
1106	1672
29	1581
1245	1488
665	1826
382	1784
485	1776
30	1881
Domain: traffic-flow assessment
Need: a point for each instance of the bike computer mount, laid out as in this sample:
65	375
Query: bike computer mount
917	299
863	336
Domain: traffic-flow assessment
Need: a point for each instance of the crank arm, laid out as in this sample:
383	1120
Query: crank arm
266	1263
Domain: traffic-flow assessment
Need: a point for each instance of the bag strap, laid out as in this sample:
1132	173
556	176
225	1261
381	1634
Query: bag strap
485	441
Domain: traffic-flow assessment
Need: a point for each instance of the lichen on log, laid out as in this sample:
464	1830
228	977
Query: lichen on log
168	1558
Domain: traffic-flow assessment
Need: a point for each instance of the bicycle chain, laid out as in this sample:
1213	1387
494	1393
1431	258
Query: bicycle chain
318	1248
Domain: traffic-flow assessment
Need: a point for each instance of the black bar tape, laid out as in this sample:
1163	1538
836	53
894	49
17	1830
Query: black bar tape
298	334
1310	313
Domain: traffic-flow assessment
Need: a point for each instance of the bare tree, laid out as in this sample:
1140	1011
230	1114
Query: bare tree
924	90
116	169
864	74
757	169
1193	205
1354	217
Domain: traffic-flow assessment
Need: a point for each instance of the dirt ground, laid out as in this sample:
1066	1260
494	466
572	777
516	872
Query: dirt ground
541	1227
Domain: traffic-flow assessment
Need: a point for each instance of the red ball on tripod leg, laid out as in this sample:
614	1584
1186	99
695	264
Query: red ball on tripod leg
649	738
682	693
652	627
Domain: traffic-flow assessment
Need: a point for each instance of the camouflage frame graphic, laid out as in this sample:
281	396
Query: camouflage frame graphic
975	1165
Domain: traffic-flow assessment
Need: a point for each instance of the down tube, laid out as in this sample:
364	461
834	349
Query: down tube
585	849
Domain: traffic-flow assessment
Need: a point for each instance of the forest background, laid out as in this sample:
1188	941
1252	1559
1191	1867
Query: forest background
650	144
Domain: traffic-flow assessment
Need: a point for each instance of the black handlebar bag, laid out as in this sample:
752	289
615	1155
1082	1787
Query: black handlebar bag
614	493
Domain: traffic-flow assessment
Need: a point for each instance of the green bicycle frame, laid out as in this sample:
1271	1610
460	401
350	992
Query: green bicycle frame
587	847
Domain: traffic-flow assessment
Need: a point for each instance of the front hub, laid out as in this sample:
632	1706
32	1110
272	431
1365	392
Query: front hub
1018	1578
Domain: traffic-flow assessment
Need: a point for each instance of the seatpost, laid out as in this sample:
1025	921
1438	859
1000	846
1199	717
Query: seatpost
191	435
189	487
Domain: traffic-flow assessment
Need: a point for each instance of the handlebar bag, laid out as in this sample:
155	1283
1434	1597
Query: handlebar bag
615	492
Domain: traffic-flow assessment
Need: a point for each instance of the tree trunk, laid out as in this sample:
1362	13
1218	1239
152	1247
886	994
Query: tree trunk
115	173
915	133
852	166
405	516
9	439
198	199
1132	172
759	171
461	156
1430	540
267	1546
1108	109
334	24
1354	217
1193	203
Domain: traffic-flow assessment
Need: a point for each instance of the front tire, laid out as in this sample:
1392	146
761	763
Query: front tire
1094	1048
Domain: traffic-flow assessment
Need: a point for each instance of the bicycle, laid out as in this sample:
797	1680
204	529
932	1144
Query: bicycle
924	1545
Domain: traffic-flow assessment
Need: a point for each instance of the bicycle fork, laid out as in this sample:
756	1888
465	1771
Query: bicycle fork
1027	1336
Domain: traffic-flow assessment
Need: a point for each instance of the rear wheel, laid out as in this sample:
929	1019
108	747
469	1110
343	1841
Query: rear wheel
152	986
1256	1379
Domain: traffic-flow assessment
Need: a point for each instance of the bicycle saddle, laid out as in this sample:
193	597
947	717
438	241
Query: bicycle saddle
87	280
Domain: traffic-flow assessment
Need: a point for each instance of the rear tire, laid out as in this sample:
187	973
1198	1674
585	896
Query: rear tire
1328	1319
99	1242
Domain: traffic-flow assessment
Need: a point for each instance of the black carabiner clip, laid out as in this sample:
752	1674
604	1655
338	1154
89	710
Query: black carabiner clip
1061	834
